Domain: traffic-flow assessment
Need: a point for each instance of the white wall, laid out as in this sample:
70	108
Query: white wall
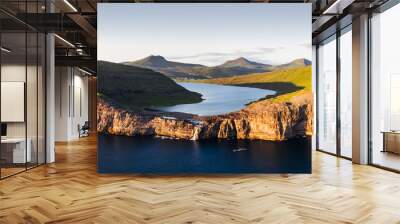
61	103
11	73
71	102
16	73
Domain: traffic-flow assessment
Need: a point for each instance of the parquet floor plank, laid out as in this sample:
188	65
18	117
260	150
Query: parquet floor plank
71	191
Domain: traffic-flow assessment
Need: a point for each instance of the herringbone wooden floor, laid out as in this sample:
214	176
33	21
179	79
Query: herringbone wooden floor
70	191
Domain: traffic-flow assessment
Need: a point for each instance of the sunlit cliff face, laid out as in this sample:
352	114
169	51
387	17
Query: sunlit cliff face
265	120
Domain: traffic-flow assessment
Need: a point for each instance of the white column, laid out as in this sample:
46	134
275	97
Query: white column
360	90
50	98
62	103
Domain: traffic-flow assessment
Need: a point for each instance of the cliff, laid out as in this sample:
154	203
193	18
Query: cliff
266	119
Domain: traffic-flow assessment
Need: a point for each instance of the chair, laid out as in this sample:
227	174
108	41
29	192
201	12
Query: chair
84	130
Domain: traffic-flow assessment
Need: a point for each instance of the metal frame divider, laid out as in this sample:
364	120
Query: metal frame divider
316	96
369	125
338	76
26	87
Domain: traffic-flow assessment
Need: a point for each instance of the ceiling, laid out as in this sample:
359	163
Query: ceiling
75	21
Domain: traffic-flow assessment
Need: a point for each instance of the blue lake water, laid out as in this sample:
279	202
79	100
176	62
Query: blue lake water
218	99
146	155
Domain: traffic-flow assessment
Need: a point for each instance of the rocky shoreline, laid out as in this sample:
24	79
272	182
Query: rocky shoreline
265	120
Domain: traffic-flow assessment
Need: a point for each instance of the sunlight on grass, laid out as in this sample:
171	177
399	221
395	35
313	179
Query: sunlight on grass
287	83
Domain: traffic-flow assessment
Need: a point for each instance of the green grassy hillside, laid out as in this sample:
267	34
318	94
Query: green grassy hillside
286	82
136	88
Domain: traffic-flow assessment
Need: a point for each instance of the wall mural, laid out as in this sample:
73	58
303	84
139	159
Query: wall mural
204	88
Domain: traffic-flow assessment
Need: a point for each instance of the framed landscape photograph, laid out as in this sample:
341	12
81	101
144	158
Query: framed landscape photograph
204	88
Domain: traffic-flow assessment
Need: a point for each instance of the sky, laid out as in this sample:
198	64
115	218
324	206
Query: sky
207	34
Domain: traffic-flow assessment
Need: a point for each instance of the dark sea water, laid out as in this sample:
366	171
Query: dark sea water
218	99
150	155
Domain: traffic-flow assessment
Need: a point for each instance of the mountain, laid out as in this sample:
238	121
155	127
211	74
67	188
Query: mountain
178	70
156	61
171	69
153	61
245	63
134	88
235	67
301	62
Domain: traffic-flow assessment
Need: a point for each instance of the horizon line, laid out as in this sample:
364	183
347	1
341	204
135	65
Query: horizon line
273	64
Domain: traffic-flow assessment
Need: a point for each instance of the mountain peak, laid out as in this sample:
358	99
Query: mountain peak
240	59
152	61
155	58
244	62
301	61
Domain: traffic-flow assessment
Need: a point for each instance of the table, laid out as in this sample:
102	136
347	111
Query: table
391	141
15	148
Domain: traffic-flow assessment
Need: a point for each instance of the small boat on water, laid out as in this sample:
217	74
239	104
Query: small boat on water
240	149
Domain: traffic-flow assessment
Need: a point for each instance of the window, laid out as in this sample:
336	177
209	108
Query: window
385	89
327	96
346	93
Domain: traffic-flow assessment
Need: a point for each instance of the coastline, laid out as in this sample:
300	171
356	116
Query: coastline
265	119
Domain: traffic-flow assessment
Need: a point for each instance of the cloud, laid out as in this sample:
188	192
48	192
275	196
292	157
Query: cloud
213	58
306	45
207	54
270	49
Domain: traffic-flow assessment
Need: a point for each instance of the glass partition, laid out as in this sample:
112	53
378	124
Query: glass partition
22	77
13	94
326	117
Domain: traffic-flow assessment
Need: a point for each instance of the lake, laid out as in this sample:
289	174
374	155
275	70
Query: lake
151	155
218	99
